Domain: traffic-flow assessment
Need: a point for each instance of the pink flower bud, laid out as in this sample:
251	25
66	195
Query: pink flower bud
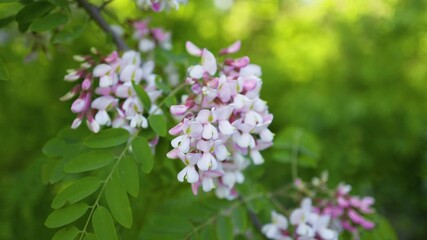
235	47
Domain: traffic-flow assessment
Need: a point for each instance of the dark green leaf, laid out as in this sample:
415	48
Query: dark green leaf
66	215
23	26
66	234
224	228
76	191
49	22
90	236
103	224
142	152
89	161
6	21
118	201
128	172
142	95
158	124
60	3
33	11
4	74
107	138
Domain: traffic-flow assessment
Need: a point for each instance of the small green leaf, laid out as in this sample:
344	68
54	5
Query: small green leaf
224	228
158	124
240	219
33	11
142	153
68	35
160	85
89	161
103	224
49	22
76	191
128	172
66	215
90	236
170	100
66	234
142	95
4	74
118	201
107	138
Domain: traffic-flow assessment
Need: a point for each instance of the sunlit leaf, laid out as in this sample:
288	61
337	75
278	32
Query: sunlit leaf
66	215
89	161
49	22
107	138
224	228
142	95
103	224
66	234
77	191
128	172
118	201
142	153
158	124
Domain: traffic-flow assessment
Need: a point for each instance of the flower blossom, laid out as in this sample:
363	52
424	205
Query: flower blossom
159	5
223	122
278	228
106	93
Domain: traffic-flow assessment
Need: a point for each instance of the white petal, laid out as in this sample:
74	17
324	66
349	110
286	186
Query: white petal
101	70
257	157
193	49
192	174
208	184
196	71
209	62
225	127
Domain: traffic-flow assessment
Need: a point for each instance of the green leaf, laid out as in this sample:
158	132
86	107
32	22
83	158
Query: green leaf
49	22
170	100
90	236
103	224
382	230
66	234
107	138
224	228
4	74
160	85
118	201
142	95
6	21
89	161
208	233
61	3
128	172
240	219
68	35
158	124
142	153
33	11
66	215
76	191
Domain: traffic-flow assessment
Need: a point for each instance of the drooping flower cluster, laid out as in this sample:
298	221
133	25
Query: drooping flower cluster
306	224
224	123
159	5
106	93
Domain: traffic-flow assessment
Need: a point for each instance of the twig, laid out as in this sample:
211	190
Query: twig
95	14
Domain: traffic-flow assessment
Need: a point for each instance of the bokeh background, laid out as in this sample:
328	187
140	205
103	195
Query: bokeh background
352	74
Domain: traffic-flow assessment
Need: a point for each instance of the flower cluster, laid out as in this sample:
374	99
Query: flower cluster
306	222
223	122
159	5
106	93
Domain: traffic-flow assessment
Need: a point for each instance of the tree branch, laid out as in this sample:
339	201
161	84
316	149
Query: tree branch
95	14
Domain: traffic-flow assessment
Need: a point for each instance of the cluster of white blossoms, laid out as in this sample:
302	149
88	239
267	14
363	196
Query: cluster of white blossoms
106	93
307	225
159	5
224	123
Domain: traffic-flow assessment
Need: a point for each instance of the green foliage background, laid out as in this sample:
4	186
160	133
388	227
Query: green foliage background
352	74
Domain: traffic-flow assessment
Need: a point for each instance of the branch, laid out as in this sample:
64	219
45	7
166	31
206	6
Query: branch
95	14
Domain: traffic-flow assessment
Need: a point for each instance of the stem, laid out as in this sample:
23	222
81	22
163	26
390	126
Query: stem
96	203
95	13
159	106
295	149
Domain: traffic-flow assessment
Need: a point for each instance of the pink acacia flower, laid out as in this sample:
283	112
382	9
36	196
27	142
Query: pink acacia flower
106	94
159	5
224	121
278	228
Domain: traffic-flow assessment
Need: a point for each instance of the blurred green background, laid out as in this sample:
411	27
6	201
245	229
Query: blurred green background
351	73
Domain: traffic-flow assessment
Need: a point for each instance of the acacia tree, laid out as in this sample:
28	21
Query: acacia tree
139	109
